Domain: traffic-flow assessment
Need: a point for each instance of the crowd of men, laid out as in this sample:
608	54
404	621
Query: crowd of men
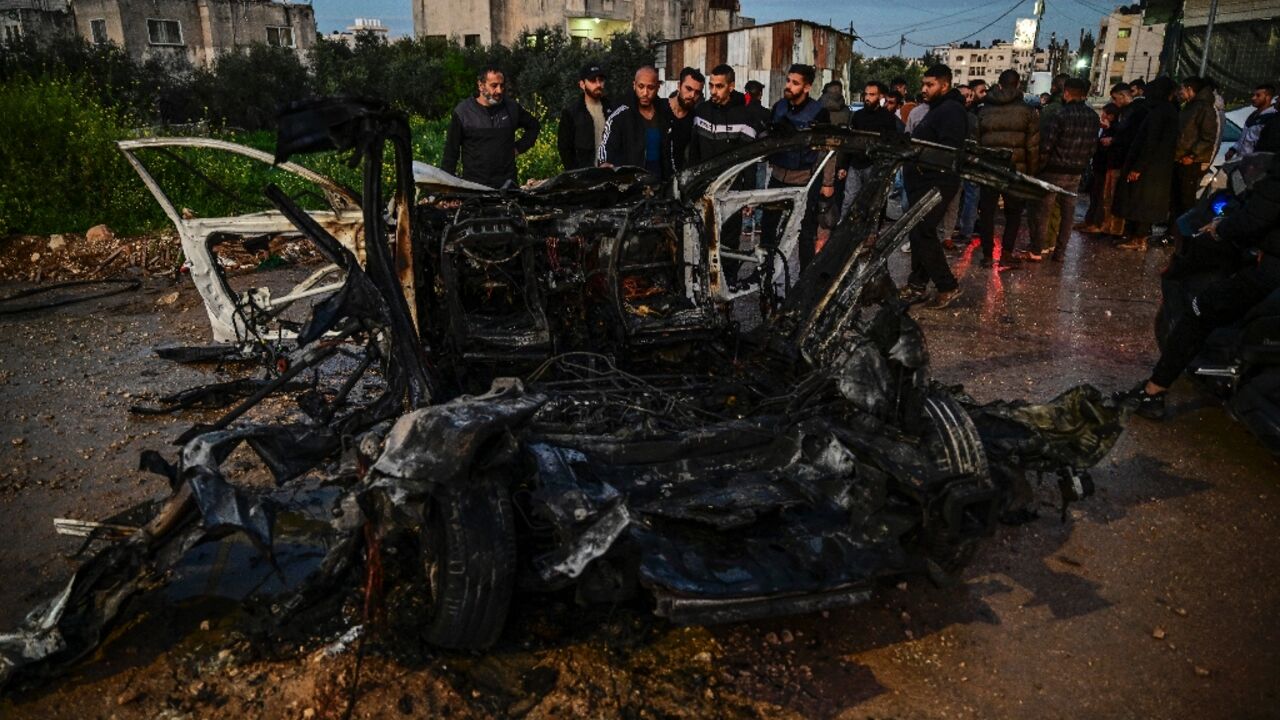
1142	158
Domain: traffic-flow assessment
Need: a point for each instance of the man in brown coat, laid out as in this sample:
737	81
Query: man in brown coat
1198	130
1005	121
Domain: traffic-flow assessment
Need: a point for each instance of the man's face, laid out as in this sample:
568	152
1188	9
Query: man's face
1121	99
1261	99
593	87
796	89
901	87
690	92
967	94
1136	90
891	104
979	93
934	88
721	88
1185	93
646	87
871	96
492	88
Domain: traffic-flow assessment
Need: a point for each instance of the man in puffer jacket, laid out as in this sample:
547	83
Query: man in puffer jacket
1198	130
1253	229
1008	123
1066	147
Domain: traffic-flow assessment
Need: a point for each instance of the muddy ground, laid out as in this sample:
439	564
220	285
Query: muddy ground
1157	598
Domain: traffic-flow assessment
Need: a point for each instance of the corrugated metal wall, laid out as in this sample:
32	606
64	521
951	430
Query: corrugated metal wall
764	53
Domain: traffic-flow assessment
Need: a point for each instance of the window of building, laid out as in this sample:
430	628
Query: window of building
1115	79
1120	57
98	28
1123	32
12	32
280	36
471	40
164	32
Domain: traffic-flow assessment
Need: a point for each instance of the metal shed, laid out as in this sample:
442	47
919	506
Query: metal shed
762	53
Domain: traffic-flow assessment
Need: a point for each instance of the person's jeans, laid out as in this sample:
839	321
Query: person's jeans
772	228
969	210
988	206
928	261
949	219
1041	209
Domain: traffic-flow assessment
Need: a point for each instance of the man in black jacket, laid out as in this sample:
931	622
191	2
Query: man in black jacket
1252	230
682	104
582	121
874	117
721	123
947	122
1066	147
638	132
483	133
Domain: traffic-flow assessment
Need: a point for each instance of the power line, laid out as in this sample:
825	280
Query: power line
909	27
1002	16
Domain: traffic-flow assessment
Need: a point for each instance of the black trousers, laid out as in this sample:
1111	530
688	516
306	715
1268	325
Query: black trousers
988	206
1219	304
773	219
1135	229
928	261
1186	183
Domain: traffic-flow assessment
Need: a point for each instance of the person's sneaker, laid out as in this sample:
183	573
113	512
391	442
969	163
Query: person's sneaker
944	299
1138	244
1056	256
1010	264
913	294
1151	407
949	245
1028	256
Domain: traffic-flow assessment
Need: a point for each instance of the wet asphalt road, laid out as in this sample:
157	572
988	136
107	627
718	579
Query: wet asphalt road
1158	598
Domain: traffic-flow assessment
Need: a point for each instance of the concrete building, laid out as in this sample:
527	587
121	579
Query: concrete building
970	61
195	30
370	26
485	22
763	53
1126	49
34	18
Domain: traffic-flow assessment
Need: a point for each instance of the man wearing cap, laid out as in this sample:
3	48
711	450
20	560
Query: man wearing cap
582	121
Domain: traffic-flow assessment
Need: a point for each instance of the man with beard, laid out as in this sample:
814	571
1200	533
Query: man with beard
482	133
1142	197
1263	97
582	121
721	123
682	103
876	115
1198	132
946	123
637	132
795	168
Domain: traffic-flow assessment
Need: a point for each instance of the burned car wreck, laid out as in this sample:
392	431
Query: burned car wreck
574	387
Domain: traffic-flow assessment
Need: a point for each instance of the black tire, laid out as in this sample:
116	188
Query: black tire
962	454
469	554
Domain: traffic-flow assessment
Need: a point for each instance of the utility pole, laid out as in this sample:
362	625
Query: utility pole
902	40
1208	35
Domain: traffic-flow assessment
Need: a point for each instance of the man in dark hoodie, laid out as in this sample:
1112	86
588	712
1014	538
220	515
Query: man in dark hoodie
1142	197
482	133
638	131
1066	147
1008	123
947	123
875	116
795	168
682	103
582	121
1198	132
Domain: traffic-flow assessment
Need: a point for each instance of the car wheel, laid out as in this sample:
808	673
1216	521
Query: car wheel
469	555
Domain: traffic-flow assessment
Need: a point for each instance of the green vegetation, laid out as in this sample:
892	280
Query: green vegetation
68	102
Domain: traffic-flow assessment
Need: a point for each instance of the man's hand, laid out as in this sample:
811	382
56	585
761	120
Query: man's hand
1133	176
1212	228
1187	160
828	191
842	173
1106	141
